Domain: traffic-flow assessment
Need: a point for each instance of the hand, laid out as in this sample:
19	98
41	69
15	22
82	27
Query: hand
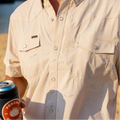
22	105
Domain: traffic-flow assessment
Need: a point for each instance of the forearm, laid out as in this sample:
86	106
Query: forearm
21	83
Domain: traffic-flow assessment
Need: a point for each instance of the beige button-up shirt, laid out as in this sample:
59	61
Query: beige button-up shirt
70	60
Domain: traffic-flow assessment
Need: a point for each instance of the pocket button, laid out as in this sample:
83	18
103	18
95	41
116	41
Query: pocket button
24	46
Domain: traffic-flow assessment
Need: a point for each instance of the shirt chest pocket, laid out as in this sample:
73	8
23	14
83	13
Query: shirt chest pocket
29	44
97	54
29	55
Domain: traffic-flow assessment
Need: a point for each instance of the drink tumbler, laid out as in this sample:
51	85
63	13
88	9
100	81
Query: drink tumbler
10	106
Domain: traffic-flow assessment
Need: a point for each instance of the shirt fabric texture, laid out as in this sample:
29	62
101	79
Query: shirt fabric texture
71	61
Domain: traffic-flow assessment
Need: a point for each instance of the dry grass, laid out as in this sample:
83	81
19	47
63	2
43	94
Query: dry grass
3	41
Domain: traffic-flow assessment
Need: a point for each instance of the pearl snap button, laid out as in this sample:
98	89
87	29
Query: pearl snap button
61	18
55	48
52	19
24	46
95	47
53	79
50	110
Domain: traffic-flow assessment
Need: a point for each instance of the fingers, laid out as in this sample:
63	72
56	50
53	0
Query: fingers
22	103
0	118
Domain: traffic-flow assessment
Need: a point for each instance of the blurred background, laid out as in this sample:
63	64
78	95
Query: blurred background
6	8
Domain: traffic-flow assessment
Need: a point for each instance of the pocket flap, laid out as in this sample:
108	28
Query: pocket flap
29	44
95	45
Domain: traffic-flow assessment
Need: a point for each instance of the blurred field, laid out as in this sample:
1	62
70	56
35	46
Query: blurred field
3	41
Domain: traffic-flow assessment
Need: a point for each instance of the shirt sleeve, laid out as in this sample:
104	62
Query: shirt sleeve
118	62
11	59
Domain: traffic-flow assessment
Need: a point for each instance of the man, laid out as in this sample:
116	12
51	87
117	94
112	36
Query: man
68	53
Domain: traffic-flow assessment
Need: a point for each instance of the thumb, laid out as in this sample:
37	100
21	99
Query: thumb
22	103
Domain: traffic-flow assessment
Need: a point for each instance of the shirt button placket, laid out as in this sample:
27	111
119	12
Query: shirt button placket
56	36
52	73
52	82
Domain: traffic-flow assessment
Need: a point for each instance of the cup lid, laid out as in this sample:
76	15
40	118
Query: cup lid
6	83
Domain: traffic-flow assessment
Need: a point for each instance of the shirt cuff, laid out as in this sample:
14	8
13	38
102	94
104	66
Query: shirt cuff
13	72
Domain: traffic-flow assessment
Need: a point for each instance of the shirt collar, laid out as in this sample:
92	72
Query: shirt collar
77	2
37	7
34	9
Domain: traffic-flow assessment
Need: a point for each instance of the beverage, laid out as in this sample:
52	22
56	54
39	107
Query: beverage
10	106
